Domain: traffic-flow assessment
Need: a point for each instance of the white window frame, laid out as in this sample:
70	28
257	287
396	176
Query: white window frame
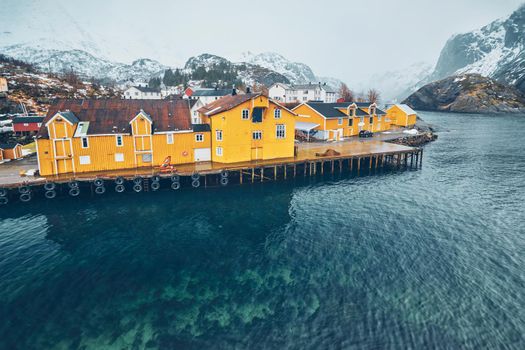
257	132
199	137
277	113
247	112
82	139
119	157
340	121
121	138
169	138
218	151
218	135
84	160
280	131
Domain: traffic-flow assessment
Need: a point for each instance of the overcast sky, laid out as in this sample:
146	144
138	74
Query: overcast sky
346	39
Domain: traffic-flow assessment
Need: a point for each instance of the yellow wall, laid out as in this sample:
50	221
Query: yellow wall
102	150
400	118
237	142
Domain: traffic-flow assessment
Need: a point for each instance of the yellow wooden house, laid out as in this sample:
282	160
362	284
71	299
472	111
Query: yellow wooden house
402	115
249	127
335	121
99	135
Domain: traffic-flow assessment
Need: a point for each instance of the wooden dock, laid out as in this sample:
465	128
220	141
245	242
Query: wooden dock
356	157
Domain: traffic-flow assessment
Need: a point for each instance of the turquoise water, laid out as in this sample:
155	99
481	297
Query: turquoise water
433	258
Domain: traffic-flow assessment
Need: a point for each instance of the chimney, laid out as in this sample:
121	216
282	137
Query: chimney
248	90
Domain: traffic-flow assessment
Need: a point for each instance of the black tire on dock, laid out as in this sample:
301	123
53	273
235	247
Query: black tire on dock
3	192
50	194
224	181
100	190
74	191
225	173
175	177
155	178
4	200
98	182
119	188
195	176
137	188
25	197
119	180
155	185
195	183
137	180
49	186
175	185
24	189
72	184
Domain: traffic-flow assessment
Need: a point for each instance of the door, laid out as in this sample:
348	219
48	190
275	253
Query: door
202	154
63	156
257	153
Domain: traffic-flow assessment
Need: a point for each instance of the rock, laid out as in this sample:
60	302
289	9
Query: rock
468	93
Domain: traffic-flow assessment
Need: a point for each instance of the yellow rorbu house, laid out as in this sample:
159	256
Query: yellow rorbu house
335	121
402	115
99	135
249	127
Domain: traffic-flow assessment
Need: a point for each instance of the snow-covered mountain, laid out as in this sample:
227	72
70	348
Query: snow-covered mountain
496	51
295	72
84	63
395	85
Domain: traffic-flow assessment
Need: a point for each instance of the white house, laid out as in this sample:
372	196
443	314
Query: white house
302	93
3	85
142	93
277	92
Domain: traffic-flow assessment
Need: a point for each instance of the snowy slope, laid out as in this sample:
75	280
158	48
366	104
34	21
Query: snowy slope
496	51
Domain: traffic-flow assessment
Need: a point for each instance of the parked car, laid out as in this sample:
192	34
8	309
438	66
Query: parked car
365	133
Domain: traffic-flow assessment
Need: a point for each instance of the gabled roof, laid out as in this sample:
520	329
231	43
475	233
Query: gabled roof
113	116
226	103
68	115
31	119
212	92
201	127
145	89
8	145
329	110
380	111
405	108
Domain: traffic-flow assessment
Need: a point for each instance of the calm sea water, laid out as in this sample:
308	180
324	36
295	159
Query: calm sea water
433	258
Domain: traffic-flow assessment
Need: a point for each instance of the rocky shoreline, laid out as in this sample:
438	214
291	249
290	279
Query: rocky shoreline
415	140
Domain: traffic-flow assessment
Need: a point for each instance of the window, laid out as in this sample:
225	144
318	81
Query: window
26	124
84	160
304	98
350	122
371	120
85	142
277	113
169	139
119	140
280	131
378	118
199	137
257	135
218	151
39	124
245	114
146	157
218	135
340	121
119	157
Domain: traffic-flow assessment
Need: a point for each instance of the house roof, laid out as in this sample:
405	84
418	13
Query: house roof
226	103
8	145
113	116
311	86
406	109
331	110
380	111
212	92
146	89
31	119
71	117
201	127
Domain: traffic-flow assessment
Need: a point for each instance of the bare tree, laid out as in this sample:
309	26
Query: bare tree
346	94
373	96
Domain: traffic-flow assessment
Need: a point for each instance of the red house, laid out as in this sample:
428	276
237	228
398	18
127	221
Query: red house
27	125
